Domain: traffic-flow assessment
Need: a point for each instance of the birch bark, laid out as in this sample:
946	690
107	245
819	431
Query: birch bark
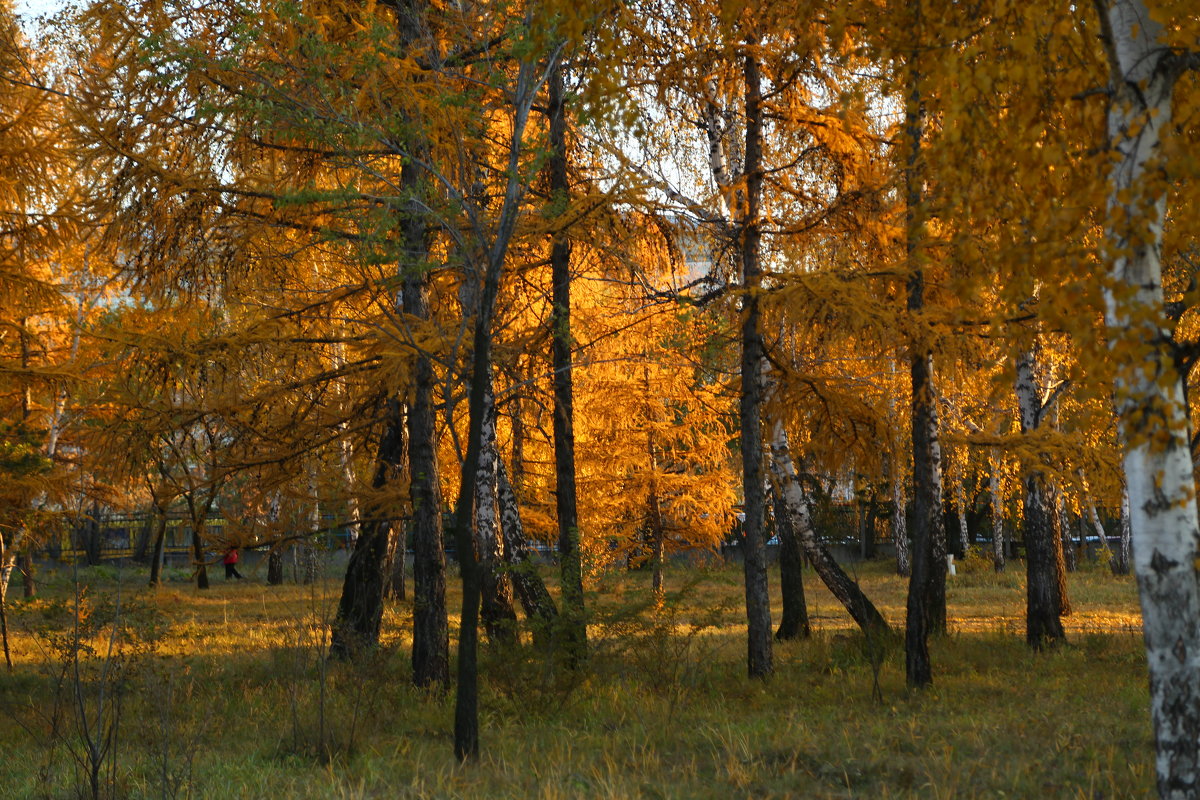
1149	391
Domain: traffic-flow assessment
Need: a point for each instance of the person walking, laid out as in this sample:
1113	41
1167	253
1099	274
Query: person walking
230	561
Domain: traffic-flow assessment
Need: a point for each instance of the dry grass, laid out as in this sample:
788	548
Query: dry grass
235	677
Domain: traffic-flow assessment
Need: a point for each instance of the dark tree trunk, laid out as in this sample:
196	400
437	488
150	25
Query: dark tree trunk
530	589
466	701
758	601
573	624
92	540
431	629
1043	625
866	529
360	609
275	566
198	520
794	624
30	581
142	549
926	610
198	559
1045	572
160	541
926	613
397	555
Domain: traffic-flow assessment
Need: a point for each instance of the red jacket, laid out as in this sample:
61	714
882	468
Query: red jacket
231	557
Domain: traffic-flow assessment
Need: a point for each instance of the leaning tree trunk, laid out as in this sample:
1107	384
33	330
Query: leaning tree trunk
530	589
574	623
848	592
794	623
1148	389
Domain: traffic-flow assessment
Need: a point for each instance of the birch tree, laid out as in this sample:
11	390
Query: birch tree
1146	64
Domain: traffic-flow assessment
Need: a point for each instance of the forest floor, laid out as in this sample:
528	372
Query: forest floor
225	694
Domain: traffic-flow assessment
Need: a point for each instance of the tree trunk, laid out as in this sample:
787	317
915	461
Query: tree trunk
141	549
658	552
794	623
900	522
397	555
960	512
573	623
275	565
5	558
160	541
530	589
311	565
1064	526
1094	520
997	514
848	592
926	608
499	618
198	559
1122	560
92	541
1043	625
30	581
1043	539
360	609
1148	390
431	629
198	521
758	601
866	528
655	525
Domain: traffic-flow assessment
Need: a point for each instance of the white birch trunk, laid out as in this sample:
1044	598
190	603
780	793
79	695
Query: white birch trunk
900	522
1093	516
960	506
486	522
1125	554
997	513
1149	392
311	562
346	460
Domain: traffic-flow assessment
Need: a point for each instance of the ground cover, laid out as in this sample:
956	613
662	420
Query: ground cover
226	693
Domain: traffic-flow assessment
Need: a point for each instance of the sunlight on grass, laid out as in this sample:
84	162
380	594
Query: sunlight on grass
230	696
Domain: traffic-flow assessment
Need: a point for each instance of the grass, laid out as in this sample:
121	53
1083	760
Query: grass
225	694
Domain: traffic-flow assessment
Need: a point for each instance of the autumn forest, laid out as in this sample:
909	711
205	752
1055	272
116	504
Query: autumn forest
663	398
